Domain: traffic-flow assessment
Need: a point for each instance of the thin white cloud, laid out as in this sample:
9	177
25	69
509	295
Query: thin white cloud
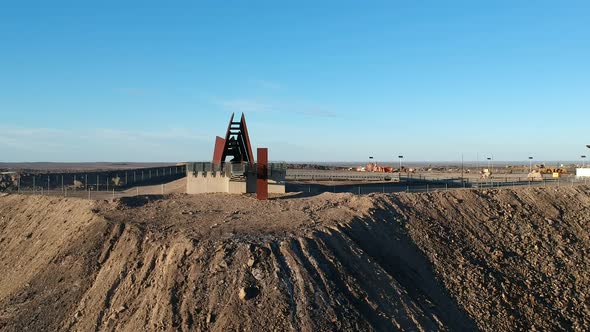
31	139
88	144
24	132
166	134
58	140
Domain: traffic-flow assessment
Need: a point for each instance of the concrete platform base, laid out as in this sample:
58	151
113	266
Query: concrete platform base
218	182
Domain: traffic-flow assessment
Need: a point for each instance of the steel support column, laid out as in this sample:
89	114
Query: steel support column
262	174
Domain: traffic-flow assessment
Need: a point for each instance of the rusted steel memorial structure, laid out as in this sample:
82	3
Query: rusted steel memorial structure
241	173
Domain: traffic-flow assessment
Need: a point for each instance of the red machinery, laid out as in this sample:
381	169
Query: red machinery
372	167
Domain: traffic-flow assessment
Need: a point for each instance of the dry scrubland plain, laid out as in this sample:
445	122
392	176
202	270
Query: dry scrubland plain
495	260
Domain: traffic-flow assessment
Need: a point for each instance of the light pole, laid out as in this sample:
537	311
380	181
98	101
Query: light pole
400	163
583	161
462	180
490	165
530	164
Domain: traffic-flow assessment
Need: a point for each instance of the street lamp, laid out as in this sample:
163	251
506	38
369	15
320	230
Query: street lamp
583	161
530	164
400	163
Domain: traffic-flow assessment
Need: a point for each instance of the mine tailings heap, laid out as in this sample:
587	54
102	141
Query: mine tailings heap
490	260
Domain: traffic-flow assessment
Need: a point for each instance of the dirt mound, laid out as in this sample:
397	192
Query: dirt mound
462	260
513	259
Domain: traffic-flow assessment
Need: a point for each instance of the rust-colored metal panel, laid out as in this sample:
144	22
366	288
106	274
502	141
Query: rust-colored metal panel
229	126
262	173
226	140
247	139
218	152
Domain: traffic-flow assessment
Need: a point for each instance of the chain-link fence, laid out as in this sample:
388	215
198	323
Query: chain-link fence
105	185
431	185
90	193
99	181
236	169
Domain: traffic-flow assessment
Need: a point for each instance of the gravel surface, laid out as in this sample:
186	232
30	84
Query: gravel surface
493	260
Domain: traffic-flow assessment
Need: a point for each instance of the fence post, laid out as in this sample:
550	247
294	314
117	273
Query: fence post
113	193
18	184
162	189
136	191
359	187
88	193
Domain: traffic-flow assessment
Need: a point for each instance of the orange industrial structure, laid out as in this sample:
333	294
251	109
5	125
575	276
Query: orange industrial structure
373	167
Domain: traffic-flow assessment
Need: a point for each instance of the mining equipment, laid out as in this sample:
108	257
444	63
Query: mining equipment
552	170
372	167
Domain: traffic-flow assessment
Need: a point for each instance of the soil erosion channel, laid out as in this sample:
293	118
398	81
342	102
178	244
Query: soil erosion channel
493	260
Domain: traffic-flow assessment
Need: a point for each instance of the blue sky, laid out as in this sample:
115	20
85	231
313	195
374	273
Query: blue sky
318	81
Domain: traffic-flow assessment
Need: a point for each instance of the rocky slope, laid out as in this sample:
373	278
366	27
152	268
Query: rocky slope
458	260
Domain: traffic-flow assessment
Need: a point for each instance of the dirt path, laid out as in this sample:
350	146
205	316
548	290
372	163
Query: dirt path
462	260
